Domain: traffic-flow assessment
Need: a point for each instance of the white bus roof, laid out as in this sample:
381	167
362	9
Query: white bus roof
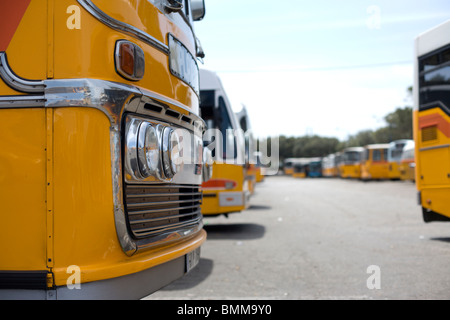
432	39
353	149
378	146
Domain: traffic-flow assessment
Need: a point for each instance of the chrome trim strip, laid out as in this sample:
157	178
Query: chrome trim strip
23	101
16	82
164	239
123	27
170	230
114	99
435	147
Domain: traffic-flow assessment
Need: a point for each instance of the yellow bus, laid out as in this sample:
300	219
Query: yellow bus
228	190
94	202
260	168
300	170
350	164
407	165
375	165
288	165
253	170
432	122
395	152
330	165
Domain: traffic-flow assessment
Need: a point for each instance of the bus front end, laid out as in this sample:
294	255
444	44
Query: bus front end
97	100
228	189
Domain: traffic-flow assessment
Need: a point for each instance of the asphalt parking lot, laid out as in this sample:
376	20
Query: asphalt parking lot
321	238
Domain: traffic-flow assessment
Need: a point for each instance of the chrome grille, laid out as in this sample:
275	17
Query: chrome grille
159	209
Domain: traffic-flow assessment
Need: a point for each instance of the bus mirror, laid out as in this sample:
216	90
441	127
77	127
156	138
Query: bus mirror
198	9
173	5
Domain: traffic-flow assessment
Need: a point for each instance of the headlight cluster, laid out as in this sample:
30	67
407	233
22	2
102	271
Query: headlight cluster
152	150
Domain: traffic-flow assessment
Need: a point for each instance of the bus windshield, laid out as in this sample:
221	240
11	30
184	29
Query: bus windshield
218	118
435	79
352	157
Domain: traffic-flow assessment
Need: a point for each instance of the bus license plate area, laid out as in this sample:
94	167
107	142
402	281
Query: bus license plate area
192	259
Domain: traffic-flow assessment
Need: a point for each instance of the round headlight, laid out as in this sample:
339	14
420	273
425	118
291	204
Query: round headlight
207	164
171	151
148	150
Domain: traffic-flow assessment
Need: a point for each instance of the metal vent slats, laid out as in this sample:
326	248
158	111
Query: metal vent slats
429	133
158	209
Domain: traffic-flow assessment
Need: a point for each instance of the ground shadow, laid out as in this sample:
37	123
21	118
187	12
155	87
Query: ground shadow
443	239
197	275
258	207
235	231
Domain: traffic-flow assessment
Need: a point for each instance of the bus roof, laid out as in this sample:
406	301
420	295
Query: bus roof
432	39
353	149
377	146
401	141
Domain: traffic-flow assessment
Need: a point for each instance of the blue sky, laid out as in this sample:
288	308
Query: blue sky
326	67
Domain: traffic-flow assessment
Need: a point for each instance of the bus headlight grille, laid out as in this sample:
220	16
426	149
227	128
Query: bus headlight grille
154	210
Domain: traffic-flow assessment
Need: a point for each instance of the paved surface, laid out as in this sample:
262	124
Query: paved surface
316	239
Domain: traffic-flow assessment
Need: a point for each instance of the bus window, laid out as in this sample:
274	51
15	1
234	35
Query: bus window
376	155
228	134
218	118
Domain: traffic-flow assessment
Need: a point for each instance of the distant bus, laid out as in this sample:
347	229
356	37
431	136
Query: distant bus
374	165
407	166
314	167
299	170
330	165
350	165
395	152
228	190
252	171
432	122
260	168
288	165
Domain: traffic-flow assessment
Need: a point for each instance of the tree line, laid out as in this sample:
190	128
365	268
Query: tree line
398	126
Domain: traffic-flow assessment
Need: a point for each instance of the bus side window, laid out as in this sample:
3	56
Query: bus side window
376	155
225	126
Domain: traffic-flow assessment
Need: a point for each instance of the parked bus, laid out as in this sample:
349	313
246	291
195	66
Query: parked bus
432	122
395	152
407	165
330	165
374	165
243	120
314	166
300	167
93	94
350	165
288	166
261	168
228	189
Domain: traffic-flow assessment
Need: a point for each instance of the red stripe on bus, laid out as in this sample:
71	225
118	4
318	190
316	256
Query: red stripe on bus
435	120
11	14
